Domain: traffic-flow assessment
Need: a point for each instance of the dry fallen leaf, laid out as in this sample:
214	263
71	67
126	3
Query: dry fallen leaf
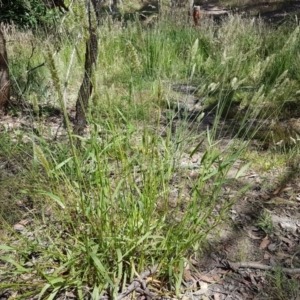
253	281
187	275
205	278
25	222
245	282
264	243
216	277
217	296
277	191
247	296
272	247
19	227
282	189
252	236
265	196
287	241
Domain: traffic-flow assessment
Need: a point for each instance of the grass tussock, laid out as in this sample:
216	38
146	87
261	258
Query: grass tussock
126	200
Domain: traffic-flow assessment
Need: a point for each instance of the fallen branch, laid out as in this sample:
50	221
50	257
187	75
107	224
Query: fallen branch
139	284
253	265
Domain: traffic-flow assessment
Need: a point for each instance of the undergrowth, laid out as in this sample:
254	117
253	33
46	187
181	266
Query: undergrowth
102	213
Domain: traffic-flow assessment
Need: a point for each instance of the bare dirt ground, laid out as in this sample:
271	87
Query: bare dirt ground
260	236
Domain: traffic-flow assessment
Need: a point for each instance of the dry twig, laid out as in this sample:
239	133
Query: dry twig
253	265
139	284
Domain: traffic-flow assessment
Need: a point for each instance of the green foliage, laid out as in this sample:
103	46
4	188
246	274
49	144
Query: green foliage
125	199
282	287
113	207
28	13
265	222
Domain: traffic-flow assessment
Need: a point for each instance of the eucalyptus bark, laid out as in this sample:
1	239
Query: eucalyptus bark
91	54
4	75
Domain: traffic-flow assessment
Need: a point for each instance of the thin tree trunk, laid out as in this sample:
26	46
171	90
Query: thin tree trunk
86	87
115	7
4	75
97	9
91	54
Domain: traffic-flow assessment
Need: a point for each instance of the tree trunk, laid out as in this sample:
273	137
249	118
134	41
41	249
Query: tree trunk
91	54
4	75
97	8
115	7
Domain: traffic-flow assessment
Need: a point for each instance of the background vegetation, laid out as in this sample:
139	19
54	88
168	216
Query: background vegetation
125	200
28	13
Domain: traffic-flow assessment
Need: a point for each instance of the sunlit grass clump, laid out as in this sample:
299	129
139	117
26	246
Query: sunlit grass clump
126	200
